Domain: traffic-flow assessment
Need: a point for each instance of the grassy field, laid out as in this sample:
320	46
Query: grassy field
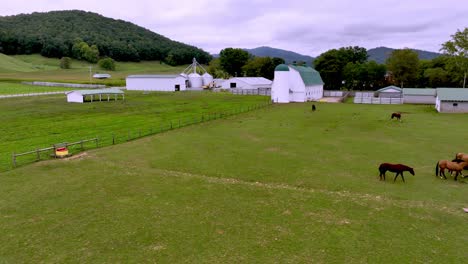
18	88
39	68
38	122
277	185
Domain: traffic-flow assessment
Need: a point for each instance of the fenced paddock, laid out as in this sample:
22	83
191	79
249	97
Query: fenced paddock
378	100
258	91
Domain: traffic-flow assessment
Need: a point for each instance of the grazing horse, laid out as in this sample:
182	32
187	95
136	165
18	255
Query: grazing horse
397	115
398	168
462	156
455	165
313	108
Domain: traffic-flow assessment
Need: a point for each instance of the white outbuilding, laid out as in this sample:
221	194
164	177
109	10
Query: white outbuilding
452	100
296	84
246	83
167	83
419	95
79	96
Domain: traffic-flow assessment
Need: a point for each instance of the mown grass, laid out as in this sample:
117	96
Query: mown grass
278	185
38	68
37	122
18	88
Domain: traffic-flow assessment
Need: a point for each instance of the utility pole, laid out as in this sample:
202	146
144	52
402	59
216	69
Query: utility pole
90	72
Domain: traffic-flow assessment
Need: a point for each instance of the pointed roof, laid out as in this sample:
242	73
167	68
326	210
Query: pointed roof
391	87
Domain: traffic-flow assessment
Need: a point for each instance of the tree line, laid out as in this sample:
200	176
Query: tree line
56	33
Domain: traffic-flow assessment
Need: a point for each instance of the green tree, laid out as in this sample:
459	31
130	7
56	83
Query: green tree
457	48
403	65
262	67
214	68
331	64
436	77
232	60
107	64
65	62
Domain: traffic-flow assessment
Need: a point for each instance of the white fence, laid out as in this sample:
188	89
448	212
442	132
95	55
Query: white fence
70	85
29	94
333	93
377	100
258	91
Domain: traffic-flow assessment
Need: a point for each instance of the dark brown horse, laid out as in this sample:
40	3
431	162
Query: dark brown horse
397	168
397	115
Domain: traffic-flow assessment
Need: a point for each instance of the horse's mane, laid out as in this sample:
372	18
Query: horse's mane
404	166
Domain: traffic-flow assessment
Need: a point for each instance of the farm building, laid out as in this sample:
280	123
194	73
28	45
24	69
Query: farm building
167	83
101	76
452	100
390	92
246	83
79	96
188	79
296	84
419	95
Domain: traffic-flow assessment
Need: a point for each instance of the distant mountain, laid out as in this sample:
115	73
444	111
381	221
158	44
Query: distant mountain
381	54
54	33
288	56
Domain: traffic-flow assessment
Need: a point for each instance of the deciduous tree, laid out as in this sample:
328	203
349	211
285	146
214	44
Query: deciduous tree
403	65
457	48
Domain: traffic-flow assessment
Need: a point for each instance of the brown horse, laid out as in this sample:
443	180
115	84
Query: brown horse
397	168
397	115
462	156
455	165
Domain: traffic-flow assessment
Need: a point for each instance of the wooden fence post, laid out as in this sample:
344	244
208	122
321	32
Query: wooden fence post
14	159
113	139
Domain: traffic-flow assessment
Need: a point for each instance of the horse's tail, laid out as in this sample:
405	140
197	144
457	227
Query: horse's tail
437	169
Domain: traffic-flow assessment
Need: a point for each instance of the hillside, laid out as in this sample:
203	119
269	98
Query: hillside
288	56
53	34
381	54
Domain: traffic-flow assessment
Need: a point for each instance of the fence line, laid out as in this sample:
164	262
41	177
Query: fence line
378	100
113	138
30	94
256	91
69	85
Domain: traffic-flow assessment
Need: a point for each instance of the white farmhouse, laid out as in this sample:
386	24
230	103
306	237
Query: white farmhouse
168	83
296	84
246	83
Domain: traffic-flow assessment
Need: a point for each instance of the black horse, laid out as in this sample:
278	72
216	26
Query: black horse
397	115
313	108
398	168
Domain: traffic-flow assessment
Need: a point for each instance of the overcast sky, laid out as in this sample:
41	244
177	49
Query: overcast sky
309	27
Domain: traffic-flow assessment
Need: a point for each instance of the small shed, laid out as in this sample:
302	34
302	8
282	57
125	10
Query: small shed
165	83
390	92
452	100
419	95
246	83
79	96
101	76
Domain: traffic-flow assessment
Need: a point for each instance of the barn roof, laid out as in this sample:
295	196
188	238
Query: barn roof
163	76
308	75
98	91
419	91
254	80
282	67
391	87
452	94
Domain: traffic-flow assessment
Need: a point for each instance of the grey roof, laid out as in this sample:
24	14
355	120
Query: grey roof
253	80
155	76
452	94
98	91
388	88
419	91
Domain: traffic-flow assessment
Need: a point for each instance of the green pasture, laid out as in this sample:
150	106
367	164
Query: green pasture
277	185
31	123
38	68
18	88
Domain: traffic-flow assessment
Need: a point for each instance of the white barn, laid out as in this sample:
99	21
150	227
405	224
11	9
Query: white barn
296	84
167	83
419	95
452	100
246	83
390	91
79	96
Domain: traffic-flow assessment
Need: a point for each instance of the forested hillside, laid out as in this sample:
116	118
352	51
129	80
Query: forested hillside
381	54
53	34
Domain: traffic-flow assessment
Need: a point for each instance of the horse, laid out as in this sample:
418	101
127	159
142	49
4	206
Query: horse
462	156
313	108
397	115
398	168
456	165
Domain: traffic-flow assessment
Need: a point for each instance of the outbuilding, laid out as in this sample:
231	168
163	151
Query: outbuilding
419	95
296	84
246	83
166	83
101	76
452	100
390	92
79	96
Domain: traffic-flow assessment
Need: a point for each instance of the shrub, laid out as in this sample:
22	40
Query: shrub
107	64
65	63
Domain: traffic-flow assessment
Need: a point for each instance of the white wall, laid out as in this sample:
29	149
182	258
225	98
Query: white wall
280	87
74	97
155	84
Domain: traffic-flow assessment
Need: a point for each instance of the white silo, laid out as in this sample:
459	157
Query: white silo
195	80
207	79
280	86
